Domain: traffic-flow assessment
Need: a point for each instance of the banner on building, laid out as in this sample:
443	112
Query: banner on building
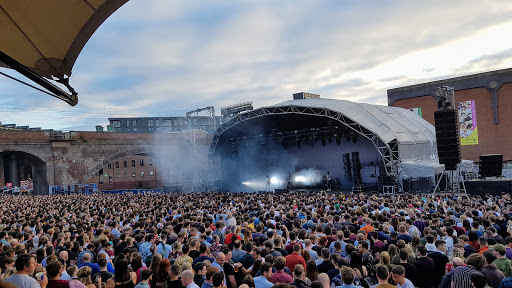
468	129
417	111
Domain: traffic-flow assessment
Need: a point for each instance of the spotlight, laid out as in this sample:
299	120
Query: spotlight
246	183
274	180
338	140
300	179
354	139
347	138
329	140
323	142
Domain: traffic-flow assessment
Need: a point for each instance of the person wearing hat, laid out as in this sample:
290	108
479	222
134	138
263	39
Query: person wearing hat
502	263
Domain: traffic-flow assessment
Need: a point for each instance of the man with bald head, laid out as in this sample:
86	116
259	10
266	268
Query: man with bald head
187	279
63	258
219	261
86	261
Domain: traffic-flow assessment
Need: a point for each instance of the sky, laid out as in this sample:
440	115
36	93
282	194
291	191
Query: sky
164	58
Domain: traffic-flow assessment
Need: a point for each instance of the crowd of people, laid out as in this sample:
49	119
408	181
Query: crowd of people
255	240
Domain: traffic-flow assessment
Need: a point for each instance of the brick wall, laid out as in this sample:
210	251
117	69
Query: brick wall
492	139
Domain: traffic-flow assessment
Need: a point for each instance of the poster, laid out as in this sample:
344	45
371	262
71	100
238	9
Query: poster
416	111
468	129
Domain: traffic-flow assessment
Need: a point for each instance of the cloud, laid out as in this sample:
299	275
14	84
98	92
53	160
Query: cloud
168	57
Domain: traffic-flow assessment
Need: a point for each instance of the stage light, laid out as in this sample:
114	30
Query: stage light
354	139
300	179
274	180
347	138
338	140
323	142
329	140
246	183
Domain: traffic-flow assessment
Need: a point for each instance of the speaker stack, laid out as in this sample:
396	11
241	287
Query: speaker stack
447	137
490	165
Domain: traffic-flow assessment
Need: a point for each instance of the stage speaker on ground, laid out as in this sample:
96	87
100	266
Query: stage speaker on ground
385	181
447	137
490	165
422	185
406	185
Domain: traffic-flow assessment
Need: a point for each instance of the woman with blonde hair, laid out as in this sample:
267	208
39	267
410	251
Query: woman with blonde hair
84	276
456	252
8	272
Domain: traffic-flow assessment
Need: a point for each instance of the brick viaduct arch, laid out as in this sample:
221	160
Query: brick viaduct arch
73	157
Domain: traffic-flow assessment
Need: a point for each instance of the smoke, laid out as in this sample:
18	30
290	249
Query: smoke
182	160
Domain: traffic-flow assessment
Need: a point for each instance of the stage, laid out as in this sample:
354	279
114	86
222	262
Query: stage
489	186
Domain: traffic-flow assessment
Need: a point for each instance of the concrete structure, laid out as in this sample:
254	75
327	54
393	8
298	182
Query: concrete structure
58	158
163	124
492	92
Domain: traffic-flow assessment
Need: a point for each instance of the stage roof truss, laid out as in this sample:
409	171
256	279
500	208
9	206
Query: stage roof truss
388	153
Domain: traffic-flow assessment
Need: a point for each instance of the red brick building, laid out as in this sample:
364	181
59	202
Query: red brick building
492	92
129	172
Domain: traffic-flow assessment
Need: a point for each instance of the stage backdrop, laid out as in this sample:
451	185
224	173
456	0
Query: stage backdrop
467	123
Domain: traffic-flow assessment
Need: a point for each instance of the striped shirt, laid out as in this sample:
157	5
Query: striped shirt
462	276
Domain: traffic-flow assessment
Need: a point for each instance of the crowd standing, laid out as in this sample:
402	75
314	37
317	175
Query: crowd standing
255	240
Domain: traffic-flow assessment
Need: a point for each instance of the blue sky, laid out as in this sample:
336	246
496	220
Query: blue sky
161	57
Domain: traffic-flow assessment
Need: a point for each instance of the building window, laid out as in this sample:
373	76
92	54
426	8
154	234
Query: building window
117	129
150	122
134	123
150	164
150	128
117	164
128	123
157	122
116	123
117	175
133	163
151	173
134	129
109	178
125	175
142	174
125	165
133	174
141	162
109	166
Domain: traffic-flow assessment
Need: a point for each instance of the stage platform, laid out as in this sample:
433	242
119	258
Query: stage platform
490	186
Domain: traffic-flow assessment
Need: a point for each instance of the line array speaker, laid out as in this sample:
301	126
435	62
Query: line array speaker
447	137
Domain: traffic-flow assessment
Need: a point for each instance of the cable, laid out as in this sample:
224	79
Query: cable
32	86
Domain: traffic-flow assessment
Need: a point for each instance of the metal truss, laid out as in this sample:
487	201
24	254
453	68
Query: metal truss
388	151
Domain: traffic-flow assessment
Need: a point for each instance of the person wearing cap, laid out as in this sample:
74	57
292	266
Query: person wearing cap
501	262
